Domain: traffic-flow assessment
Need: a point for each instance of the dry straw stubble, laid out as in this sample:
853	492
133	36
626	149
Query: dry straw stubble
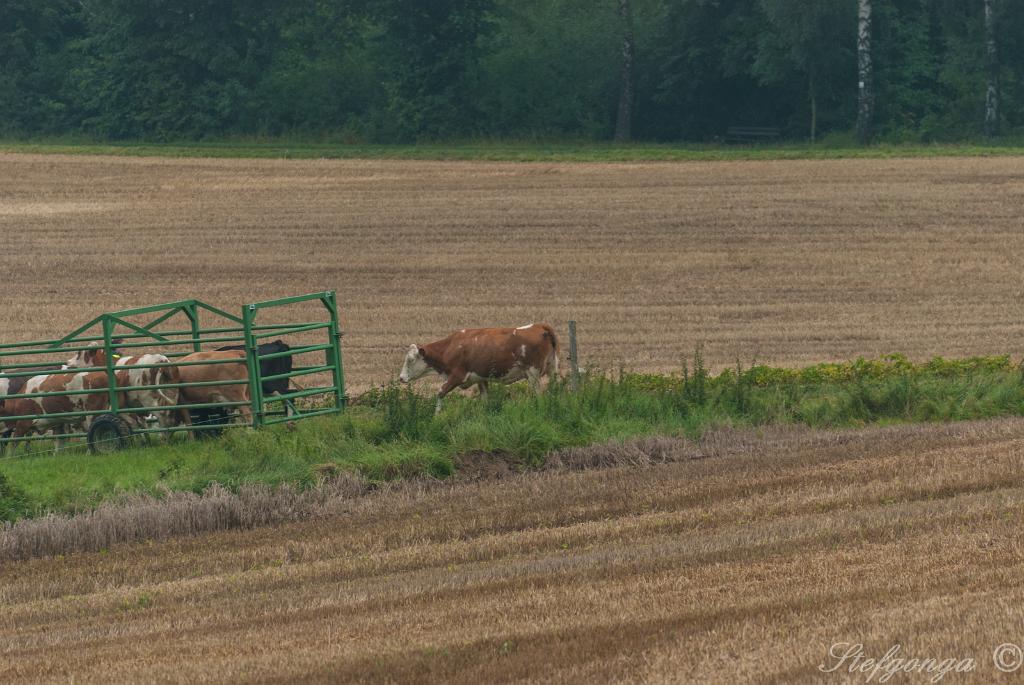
743	566
785	262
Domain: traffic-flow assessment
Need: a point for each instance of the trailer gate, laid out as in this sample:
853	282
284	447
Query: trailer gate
117	331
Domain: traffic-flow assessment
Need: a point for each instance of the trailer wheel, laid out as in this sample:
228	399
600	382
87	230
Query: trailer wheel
108	433
209	417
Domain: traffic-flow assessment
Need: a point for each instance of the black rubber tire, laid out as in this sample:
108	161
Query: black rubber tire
209	417
108	433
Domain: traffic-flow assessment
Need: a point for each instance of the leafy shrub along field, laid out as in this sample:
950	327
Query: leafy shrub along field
392	432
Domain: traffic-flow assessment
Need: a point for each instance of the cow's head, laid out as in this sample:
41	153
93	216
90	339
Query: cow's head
415	365
84	358
94	356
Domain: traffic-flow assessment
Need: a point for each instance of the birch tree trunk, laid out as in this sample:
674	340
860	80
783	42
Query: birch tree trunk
624	119
814	107
992	87
865	99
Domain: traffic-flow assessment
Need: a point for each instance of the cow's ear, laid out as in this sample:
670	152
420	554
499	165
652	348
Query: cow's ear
419	349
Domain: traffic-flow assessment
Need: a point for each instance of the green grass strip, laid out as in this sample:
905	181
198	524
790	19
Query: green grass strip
525	151
393	432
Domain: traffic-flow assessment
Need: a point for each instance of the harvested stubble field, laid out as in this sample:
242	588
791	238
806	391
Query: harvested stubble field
784	262
742	559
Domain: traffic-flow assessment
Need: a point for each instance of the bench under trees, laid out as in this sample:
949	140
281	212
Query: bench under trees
751	134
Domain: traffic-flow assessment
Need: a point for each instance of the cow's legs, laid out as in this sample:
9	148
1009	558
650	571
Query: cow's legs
135	419
58	438
164	403
287	406
21	429
238	414
184	417
167	417
9	440
453	381
533	378
482	387
172	418
245	414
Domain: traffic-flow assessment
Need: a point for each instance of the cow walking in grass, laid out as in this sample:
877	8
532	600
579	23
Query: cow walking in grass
477	356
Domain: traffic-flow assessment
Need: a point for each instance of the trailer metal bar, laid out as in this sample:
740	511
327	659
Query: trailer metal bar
299	328
306	371
295	351
301	393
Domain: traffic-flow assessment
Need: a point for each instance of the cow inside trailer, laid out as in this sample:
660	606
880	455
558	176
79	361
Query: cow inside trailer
268	367
174	336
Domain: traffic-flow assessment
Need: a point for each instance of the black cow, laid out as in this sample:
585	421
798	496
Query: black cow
268	367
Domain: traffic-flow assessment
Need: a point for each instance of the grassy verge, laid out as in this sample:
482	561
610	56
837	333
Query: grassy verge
393	433
524	151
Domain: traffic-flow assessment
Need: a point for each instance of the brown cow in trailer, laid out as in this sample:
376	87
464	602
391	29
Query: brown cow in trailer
211	373
134	381
476	356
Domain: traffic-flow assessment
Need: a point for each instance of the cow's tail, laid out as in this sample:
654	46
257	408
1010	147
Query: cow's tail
552	364
170	375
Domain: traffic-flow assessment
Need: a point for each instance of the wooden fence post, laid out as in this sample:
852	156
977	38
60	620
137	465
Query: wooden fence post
574	360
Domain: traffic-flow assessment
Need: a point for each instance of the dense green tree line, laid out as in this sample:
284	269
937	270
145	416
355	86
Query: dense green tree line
400	70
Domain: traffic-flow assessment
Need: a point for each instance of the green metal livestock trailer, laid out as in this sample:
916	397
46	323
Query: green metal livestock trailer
178	329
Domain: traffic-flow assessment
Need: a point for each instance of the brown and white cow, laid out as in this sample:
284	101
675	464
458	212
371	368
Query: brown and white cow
134	385
20	428
481	355
209	373
13	386
43	409
16	406
63	379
